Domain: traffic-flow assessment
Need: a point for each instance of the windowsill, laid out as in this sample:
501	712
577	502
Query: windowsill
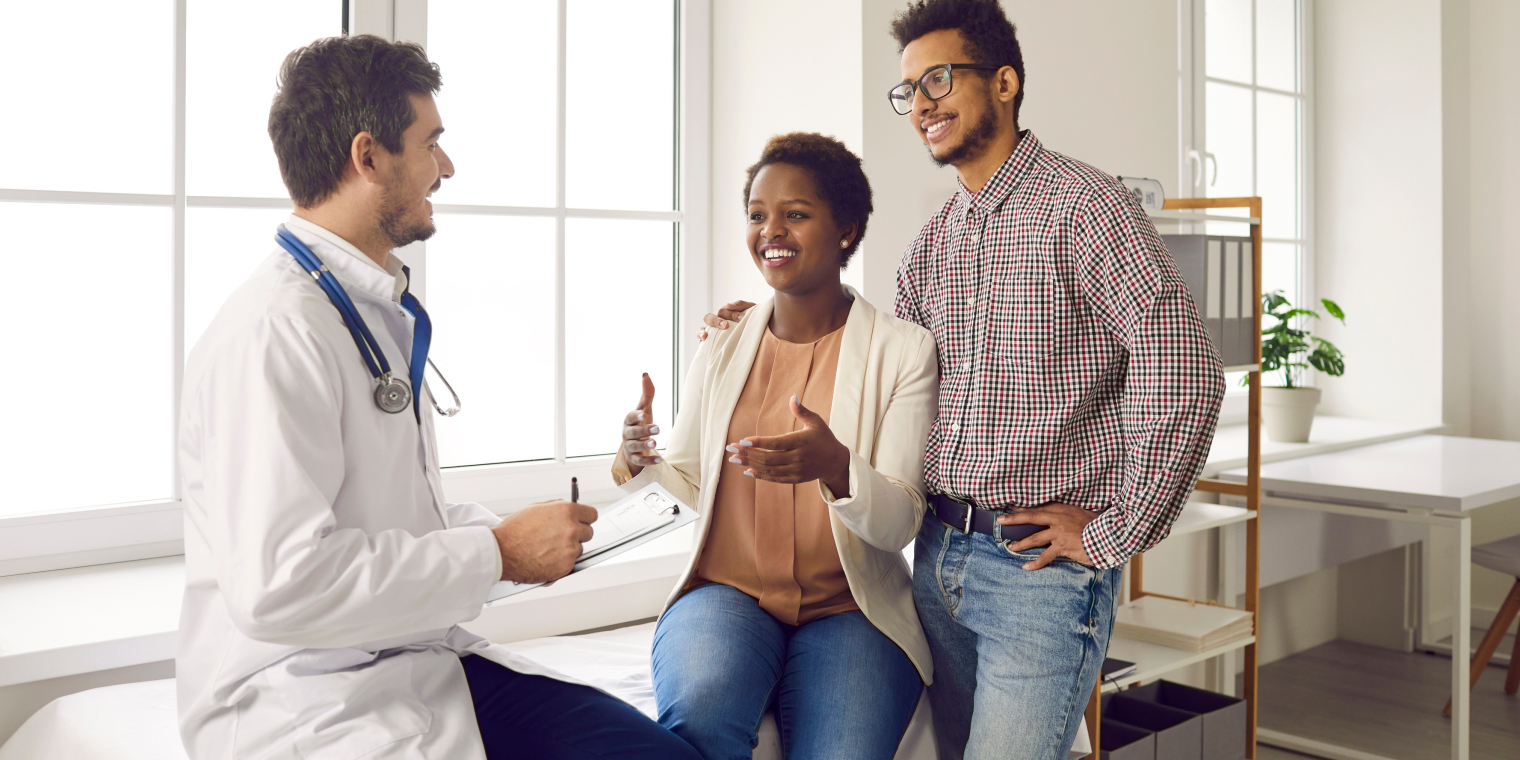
81	620
86	619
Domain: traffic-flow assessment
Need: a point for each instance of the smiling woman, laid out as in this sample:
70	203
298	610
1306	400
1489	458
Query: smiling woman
811	481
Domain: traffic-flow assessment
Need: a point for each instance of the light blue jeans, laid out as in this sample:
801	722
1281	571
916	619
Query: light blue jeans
842	690
1016	652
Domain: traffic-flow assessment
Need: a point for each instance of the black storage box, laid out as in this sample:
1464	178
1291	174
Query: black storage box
1118	741
1179	733
1224	718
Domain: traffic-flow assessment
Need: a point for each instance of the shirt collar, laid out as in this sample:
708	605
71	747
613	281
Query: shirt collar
1006	177
349	263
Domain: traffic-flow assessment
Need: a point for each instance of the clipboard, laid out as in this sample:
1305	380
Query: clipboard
630	522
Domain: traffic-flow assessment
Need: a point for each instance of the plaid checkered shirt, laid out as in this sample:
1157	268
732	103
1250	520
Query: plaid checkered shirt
1073	365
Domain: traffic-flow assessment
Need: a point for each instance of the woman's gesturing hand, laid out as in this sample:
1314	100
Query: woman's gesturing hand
638	427
812	453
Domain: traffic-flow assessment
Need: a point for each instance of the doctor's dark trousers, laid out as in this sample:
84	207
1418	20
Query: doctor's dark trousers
538	718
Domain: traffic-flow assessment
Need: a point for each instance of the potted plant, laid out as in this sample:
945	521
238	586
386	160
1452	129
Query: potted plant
1288	409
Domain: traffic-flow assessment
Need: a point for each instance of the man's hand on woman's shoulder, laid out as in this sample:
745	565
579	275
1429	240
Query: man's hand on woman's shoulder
731	312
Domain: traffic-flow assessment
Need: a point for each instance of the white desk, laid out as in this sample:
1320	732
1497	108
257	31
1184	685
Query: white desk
1430	480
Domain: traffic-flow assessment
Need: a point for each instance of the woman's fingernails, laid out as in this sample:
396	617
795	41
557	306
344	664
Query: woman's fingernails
658	460
649	444
751	474
641	417
735	460
654	429
745	443
730	449
722	323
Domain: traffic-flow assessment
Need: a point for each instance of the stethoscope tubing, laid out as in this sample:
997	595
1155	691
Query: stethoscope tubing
329	284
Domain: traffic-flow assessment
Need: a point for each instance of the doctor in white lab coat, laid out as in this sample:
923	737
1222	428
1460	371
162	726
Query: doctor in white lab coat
326	573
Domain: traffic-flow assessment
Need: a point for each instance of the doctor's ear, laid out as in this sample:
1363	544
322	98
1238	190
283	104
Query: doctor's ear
362	156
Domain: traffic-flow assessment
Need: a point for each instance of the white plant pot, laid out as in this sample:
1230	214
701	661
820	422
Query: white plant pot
1288	413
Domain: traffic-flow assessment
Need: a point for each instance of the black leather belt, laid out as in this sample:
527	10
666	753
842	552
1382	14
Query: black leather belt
967	517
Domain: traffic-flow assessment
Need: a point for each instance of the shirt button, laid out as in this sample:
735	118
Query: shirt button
970	301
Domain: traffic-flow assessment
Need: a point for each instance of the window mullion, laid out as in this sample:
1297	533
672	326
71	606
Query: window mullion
177	321
561	425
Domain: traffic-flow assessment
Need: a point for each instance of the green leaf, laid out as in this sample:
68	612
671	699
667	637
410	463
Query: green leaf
1270	301
1334	309
1299	313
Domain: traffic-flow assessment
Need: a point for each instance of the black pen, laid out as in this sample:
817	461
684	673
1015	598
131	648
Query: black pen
575	490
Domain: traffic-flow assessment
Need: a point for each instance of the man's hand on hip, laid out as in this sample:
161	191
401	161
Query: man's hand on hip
1063	531
540	543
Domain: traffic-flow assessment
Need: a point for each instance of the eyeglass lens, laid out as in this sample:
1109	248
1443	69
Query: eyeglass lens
935	84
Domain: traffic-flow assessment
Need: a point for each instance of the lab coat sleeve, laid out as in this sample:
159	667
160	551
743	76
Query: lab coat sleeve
681	472
469	513
272	449
886	502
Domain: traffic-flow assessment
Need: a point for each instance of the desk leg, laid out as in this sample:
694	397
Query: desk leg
1461	643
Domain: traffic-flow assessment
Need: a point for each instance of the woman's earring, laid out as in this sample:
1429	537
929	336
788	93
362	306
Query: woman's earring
844	244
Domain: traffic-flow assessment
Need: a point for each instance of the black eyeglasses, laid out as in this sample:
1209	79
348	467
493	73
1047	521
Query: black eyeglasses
935	83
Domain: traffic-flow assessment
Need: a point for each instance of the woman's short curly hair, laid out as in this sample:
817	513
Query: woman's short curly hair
834	169
991	38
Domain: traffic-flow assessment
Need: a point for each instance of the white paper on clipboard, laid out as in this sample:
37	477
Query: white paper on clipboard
632	521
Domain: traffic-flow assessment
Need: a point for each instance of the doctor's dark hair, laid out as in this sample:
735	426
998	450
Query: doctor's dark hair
991	39
333	89
834	169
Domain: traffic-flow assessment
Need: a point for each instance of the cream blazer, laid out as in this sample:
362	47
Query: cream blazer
885	398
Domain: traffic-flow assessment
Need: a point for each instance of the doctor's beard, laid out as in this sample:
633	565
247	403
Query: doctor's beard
395	225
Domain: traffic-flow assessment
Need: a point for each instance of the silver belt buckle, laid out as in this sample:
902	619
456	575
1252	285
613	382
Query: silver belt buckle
966	523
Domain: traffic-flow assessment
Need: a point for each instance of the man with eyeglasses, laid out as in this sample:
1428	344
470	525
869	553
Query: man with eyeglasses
1078	395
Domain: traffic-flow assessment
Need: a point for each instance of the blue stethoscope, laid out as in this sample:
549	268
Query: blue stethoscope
392	394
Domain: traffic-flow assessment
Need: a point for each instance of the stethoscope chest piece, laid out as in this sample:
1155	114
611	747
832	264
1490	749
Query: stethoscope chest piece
392	394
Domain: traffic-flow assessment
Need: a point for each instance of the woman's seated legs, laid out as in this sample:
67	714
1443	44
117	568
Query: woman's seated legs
847	691
717	658
842	689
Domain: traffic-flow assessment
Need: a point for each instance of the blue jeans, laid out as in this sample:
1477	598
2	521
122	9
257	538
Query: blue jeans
841	688
1016	652
539	718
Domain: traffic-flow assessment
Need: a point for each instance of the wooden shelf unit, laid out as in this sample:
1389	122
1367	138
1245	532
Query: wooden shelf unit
1155	661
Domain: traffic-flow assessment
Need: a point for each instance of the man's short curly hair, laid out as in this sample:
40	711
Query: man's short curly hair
834	169
991	38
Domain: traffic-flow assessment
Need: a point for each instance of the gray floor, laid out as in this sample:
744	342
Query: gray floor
1384	702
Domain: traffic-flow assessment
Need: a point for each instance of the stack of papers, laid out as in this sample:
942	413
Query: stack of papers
1181	625
634	520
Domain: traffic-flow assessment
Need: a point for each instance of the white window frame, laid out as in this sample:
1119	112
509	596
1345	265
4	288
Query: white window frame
1194	158
43	541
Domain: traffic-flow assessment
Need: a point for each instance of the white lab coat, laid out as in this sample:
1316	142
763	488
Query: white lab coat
325	573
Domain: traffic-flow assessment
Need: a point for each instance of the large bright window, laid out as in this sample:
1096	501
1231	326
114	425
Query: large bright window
146	190
141	189
1249	131
551	279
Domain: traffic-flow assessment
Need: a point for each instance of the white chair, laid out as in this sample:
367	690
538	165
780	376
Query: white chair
1502	556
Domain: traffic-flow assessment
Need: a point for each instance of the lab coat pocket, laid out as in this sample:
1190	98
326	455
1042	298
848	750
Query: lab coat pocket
342	704
1023	319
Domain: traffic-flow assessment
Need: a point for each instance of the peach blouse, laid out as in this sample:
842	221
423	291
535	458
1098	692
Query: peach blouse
774	541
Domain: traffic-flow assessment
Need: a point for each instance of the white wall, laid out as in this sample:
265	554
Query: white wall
1378	208
778	66
1481	314
1104	92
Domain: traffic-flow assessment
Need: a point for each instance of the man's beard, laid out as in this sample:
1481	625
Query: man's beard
394	226
974	141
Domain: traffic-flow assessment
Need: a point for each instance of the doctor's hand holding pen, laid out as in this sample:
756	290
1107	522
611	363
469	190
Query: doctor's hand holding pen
638	429
540	542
